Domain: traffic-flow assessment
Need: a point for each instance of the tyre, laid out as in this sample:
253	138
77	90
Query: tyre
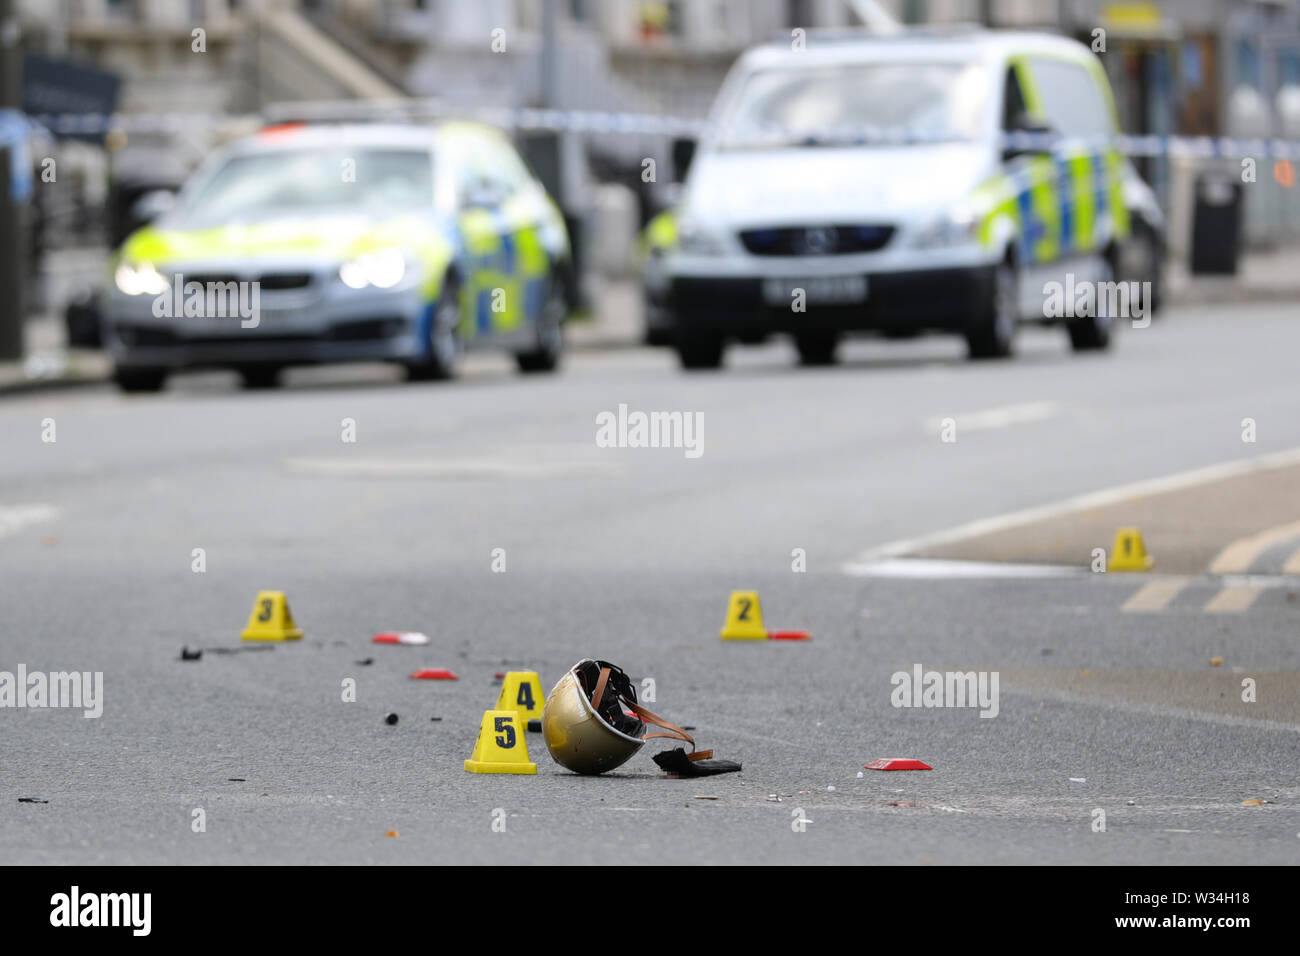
994	332
550	332
1092	333
817	348
698	350
260	376
443	338
140	379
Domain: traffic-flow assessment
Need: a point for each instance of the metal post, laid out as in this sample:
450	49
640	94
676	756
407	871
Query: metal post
13	259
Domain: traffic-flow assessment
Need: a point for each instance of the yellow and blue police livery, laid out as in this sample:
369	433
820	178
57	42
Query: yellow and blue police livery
306	244
924	181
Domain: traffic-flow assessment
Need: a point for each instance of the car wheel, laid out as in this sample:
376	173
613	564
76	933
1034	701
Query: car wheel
444	338
140	379
994	332
817	348
260	376
550	333
697	350
1092	333
1141	263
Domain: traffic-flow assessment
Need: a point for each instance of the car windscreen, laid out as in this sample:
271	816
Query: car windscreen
296	182
857	104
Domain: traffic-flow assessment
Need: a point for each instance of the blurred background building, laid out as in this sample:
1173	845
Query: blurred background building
199	70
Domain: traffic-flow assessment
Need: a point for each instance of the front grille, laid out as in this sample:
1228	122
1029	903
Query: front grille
267	281
835	240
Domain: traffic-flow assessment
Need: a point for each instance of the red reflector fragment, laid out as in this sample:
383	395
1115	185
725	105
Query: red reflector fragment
789	636
433	673
400	637
897	763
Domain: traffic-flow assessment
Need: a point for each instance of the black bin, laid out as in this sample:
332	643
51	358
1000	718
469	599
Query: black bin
1216	225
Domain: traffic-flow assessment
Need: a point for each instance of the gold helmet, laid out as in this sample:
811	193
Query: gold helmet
585	724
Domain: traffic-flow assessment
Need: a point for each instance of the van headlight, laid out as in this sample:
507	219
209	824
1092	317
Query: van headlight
142	279
382	269
955	228
695	240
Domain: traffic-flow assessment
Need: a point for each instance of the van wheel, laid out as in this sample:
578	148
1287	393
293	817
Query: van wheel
140	379
698	350
444	338
550	332
817	348
260	376
1092	333
994	332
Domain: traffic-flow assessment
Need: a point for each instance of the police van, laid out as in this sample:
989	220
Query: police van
923	181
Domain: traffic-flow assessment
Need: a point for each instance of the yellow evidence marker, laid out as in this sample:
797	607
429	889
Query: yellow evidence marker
522	693
271	620
744	618
500	747
1129	553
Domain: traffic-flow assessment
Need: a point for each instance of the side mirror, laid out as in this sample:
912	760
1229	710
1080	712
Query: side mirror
151	205
1028	136
683	153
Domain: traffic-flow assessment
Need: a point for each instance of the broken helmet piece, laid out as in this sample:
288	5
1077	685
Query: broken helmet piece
682	764
592	723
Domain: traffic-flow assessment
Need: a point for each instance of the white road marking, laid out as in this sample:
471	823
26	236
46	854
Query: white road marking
1234	597
1155	595
999	417
1096	499
927	569
447	468
1238	556
16	517
1292	565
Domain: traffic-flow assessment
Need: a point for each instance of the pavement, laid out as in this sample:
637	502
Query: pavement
1177	720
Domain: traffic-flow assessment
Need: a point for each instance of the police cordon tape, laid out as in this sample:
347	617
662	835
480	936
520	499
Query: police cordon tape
589	121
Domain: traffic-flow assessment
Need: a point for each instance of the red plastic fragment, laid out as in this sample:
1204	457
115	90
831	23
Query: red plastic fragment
789	636
400	637
432	673
897	763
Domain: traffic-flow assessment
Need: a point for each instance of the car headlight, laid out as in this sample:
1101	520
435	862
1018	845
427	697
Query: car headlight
382	269
695	240
954	228
142	279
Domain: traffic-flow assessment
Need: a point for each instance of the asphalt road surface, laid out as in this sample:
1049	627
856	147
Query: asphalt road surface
1107	702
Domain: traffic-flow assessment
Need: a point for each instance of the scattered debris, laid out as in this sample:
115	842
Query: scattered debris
830	789
392	833
364	662
1132	803
32	800
688	727
499	675
414	638
1216	661
435	718
773	798
700	796
861	774
390	719
535	726
191	653
897	763
1252	802
789	636
899	803
1078	780
433	673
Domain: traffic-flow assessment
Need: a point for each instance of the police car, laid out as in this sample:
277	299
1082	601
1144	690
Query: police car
334	242
924	181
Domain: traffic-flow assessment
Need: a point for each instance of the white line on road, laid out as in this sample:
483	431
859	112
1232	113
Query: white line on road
1155	595
1096	499
1000	417
927	569
446	468
1233	598
16	517
1237	557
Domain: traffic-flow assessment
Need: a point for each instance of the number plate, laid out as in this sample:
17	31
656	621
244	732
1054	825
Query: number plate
817	290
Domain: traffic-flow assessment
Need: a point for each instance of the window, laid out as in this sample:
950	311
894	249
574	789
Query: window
1070	97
